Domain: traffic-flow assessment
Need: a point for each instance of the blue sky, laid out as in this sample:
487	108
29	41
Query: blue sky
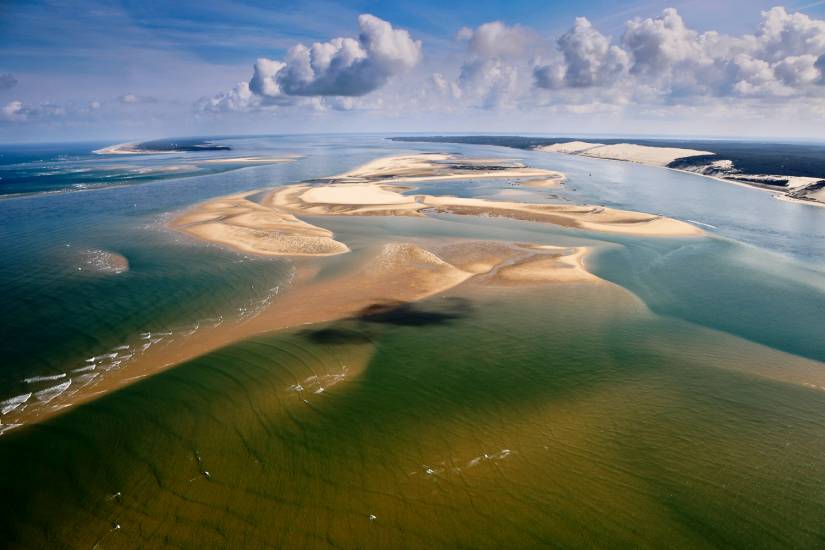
134	69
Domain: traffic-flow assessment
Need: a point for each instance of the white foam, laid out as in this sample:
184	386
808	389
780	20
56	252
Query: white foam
704	224
85	369
14	402
502	454
44	396
35	379
97	358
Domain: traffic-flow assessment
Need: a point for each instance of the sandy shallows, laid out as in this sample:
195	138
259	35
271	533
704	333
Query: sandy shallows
239	223
390	275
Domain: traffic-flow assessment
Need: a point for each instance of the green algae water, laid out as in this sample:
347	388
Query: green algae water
682	405
565	417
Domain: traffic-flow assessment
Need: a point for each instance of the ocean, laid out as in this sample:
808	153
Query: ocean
681	405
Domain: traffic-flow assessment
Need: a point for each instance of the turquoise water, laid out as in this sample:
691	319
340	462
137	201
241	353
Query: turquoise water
683	407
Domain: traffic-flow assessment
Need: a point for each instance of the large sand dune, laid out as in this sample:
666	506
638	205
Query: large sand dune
643	154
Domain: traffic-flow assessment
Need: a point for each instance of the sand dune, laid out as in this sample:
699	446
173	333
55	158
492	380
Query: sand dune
643	154
569	147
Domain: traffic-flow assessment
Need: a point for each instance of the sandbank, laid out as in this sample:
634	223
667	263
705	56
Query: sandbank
246	226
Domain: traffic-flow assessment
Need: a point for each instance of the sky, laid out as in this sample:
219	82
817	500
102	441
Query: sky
139	69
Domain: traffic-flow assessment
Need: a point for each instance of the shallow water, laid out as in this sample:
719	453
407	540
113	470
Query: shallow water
562	416
681	407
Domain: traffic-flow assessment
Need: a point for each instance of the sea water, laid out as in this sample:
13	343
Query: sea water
679	405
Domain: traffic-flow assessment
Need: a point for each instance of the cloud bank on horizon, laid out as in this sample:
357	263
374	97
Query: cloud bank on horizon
657	65
656	61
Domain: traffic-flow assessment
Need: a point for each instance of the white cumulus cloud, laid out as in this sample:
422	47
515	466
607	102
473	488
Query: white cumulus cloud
588	60
663	57
342	67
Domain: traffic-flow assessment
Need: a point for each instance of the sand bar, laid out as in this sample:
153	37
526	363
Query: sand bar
246	226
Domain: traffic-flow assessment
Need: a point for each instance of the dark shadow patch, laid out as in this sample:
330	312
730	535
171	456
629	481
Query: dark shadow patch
408	314
335	336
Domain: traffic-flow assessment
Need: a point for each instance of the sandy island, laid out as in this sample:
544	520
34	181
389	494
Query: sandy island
388	274
130	148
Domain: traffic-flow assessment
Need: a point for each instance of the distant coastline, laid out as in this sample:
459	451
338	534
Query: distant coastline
160	146
794	172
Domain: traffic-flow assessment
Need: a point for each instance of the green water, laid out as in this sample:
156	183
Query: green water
598	429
